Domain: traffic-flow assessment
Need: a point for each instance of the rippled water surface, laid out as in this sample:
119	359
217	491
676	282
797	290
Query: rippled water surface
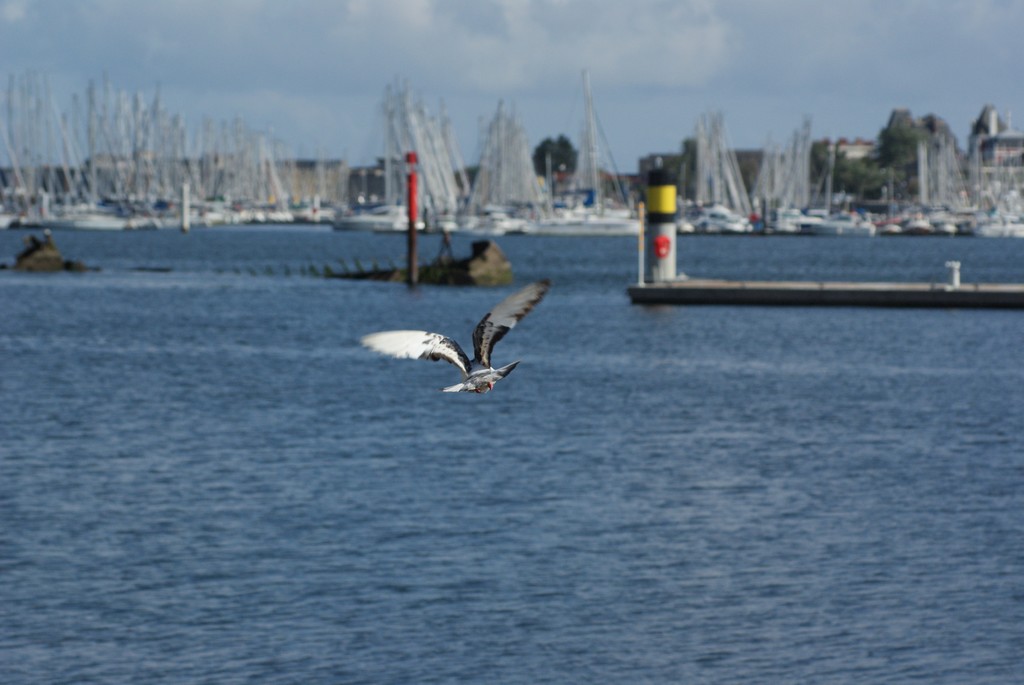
203	477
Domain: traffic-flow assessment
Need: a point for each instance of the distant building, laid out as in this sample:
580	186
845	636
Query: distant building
330	179
366	185
996	166
858	148
994	142
931	124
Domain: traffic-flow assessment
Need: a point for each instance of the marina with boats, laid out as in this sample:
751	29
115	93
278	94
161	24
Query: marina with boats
124	162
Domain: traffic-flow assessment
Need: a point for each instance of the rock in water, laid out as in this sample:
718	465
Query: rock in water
43	255
488	265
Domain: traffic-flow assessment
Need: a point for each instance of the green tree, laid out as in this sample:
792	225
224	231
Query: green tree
897	151
897	147
862	177
859	177
563	156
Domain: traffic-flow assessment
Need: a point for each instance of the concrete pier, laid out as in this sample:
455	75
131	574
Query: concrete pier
831	294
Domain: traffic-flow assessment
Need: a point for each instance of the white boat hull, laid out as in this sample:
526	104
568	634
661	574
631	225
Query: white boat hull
591	225
88	222
1000	230
848	227
386	219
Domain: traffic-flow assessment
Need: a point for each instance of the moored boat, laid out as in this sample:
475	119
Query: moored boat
88	220
587	222
844	224
1000	226
381	219
721	219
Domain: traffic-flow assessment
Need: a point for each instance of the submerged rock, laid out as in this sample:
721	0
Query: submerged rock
487	265
43	256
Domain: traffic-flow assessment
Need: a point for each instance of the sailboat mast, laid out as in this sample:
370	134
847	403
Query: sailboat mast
590	172
828	179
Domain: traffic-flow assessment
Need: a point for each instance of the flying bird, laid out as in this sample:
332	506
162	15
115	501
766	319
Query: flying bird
477	374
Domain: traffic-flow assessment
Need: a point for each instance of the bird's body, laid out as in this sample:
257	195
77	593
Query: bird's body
477	374
482	379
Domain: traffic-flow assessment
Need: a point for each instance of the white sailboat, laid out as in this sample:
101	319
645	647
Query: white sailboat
592	213
381	218
409	128
719	182
1000	225
85	217
720	219
846	224
783	183
505	191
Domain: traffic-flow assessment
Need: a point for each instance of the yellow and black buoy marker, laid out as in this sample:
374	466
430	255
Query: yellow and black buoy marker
661	225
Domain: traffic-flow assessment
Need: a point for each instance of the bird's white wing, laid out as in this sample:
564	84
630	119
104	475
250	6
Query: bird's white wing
418	345
503	317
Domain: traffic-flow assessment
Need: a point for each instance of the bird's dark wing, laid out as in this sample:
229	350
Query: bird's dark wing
418	345
504	317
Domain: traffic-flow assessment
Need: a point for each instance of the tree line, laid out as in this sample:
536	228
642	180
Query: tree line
894	160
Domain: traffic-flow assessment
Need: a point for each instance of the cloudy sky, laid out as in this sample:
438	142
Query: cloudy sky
313	72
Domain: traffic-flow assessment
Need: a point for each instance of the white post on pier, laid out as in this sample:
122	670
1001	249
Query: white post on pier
186	210
954	274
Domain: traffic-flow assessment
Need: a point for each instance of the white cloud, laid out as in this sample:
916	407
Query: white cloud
655	64
13	11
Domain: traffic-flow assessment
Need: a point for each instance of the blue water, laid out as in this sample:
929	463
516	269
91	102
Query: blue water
204	479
